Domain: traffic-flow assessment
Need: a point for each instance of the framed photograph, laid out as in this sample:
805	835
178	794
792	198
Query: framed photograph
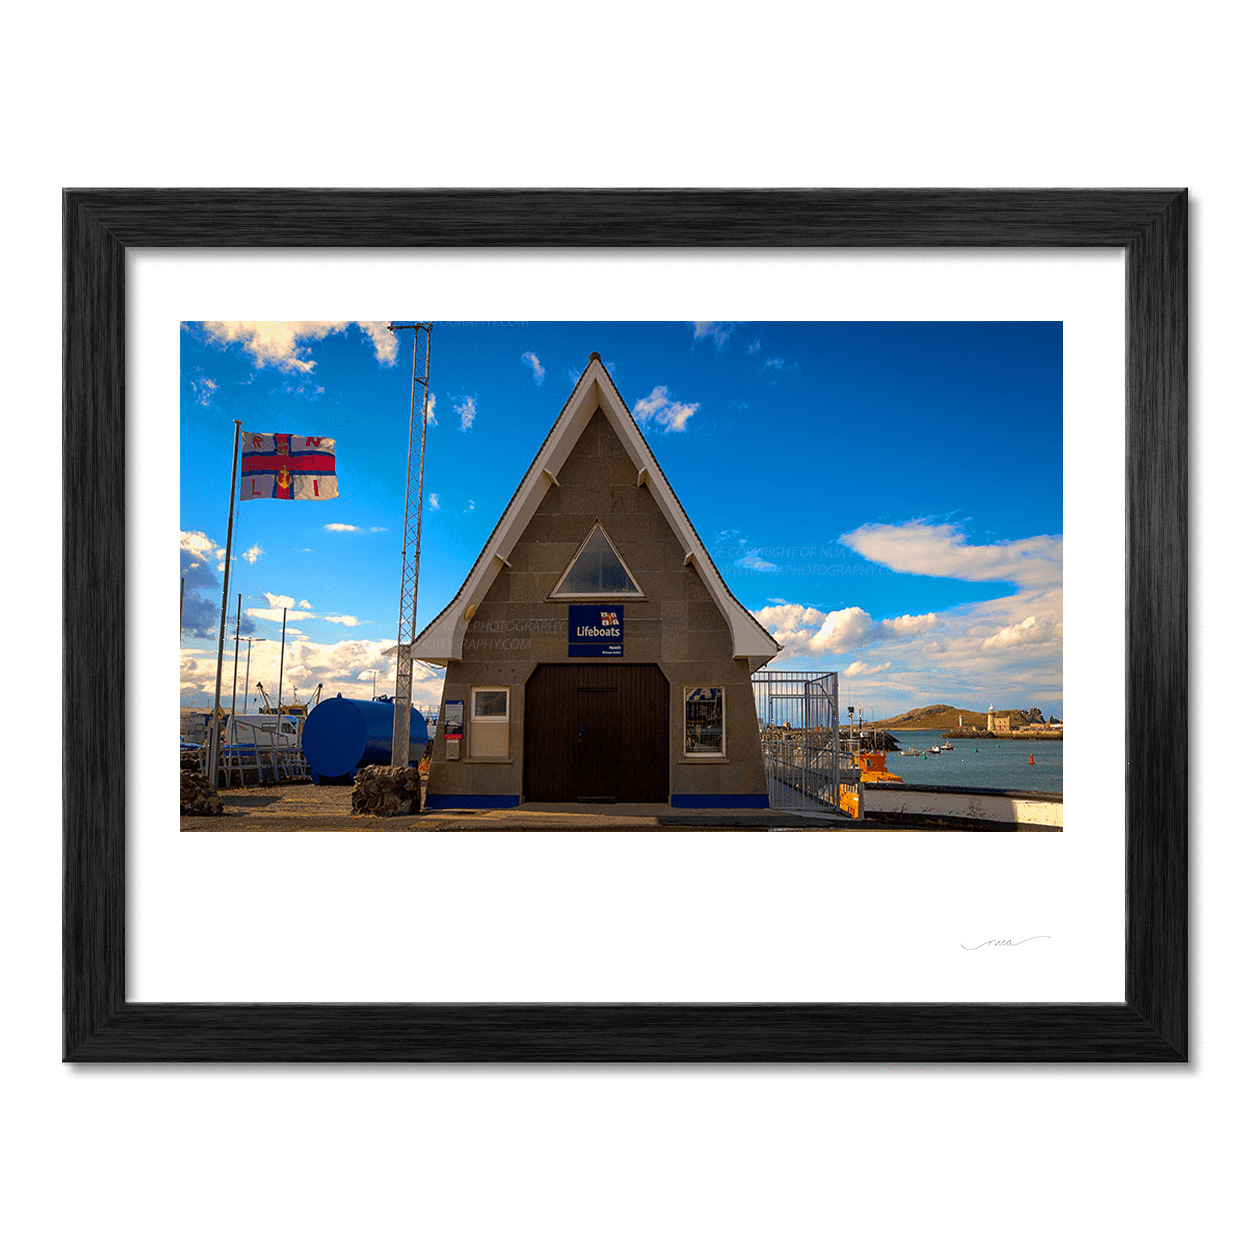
104	884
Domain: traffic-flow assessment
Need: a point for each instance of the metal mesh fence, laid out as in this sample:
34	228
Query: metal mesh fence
799	732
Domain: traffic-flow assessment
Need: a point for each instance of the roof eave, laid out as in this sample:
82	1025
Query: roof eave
443	639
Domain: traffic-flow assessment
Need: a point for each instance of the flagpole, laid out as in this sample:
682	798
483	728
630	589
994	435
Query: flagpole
214	746
234	679
281	660
247	676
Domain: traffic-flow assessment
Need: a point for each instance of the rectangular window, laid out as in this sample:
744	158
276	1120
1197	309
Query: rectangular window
488	729
705	720
490	704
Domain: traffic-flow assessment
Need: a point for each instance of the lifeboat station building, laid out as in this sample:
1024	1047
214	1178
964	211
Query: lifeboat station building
594	654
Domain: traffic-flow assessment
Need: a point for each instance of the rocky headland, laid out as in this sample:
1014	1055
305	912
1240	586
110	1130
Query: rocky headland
943	718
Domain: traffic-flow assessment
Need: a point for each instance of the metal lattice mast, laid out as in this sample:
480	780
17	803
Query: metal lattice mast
413	509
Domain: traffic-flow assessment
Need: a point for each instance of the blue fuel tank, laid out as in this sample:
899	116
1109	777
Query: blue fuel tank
342	735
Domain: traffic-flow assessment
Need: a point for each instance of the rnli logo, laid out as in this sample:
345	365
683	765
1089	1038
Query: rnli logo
607	619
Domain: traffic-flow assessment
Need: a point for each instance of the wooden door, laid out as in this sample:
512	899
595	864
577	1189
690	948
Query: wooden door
596	732
597	768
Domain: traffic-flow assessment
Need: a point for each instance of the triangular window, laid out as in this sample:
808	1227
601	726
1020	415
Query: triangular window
597	570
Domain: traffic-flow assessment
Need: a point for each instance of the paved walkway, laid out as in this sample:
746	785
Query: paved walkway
328	808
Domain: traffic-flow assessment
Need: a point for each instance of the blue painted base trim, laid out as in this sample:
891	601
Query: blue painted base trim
720	800
437	802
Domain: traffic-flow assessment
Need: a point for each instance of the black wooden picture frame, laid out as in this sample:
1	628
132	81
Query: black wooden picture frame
1150	1024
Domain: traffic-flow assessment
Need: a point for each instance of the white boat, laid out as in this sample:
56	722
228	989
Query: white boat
266	730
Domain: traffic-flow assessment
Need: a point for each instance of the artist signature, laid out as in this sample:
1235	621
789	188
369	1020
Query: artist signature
1005	942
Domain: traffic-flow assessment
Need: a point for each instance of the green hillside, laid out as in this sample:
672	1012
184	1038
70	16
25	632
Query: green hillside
944	716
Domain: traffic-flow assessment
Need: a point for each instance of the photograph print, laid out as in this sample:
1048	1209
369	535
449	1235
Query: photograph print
621	575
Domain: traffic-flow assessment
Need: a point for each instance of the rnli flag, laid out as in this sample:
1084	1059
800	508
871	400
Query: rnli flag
288	466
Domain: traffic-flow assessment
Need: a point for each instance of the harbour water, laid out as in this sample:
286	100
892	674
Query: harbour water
1000	764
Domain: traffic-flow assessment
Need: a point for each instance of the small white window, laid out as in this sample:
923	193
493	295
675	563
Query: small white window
490	703
488	722
705	720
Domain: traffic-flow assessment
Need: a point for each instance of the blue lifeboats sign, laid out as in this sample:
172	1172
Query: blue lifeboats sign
596	629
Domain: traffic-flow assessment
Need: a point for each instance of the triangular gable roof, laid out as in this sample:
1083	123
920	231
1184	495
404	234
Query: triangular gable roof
442	640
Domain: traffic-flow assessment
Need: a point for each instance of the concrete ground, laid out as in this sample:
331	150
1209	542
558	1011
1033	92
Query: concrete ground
329	808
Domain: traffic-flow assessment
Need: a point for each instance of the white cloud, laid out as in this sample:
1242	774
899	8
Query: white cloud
755	563
843	630
200	559
667	412
466	410
788	616
860	669
350	621
942	550
275	614
908	626
717	331
430	419
377	529
753	349
344	667
279	601
539	372
385	344
253	553
836	633
434	504
1004	650
303	386
303	603
286	345
198	545
338	528
1028	632
204	389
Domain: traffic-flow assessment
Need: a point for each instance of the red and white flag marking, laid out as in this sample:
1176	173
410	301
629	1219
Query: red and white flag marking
288	466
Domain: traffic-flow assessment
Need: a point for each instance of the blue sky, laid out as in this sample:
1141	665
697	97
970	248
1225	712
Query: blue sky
887	497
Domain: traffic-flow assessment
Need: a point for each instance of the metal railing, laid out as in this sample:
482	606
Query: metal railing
799	733
248	755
